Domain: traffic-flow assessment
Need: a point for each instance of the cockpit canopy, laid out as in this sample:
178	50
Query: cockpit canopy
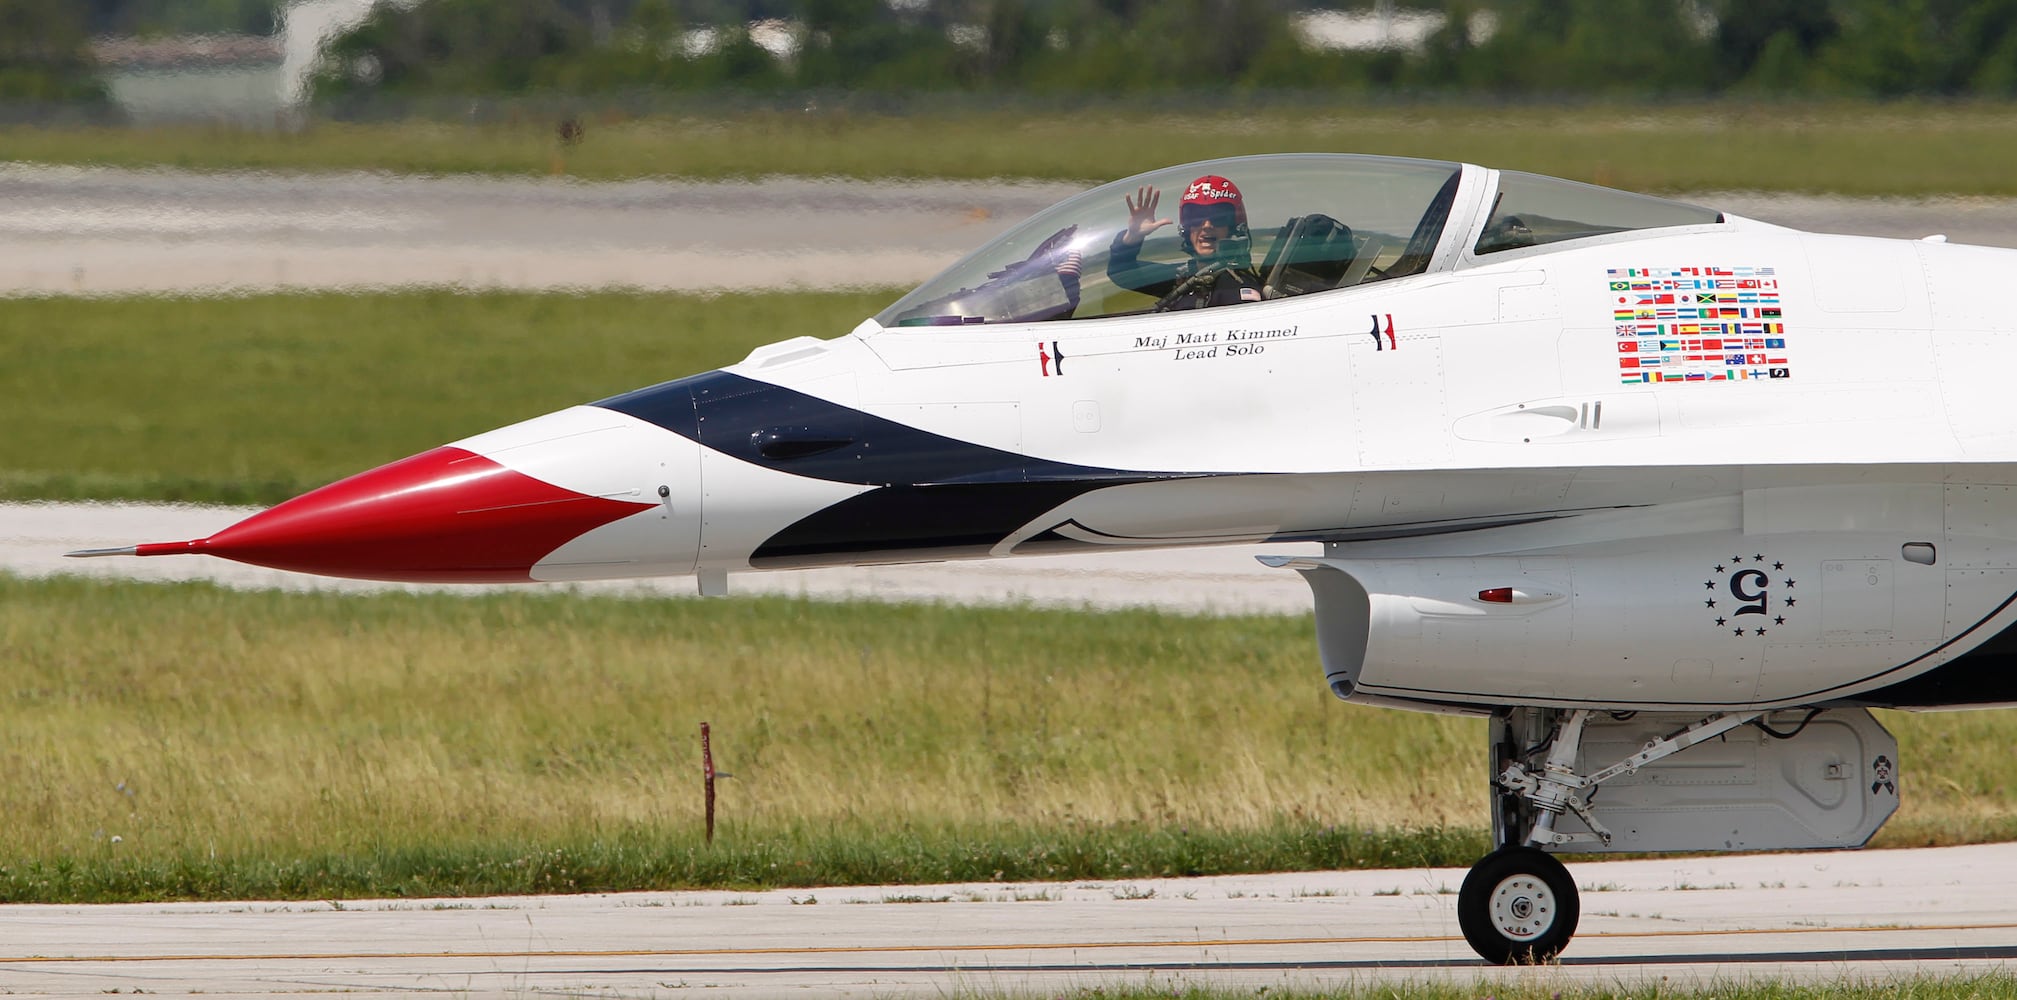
1531	209
1312	223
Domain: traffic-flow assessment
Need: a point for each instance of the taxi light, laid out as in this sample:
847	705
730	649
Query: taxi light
1496	595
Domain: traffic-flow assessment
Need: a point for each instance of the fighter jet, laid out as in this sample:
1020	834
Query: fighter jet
1670	496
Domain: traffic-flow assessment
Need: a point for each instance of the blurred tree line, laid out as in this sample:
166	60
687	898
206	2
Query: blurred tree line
1488	48
1496	48
181	17
44	52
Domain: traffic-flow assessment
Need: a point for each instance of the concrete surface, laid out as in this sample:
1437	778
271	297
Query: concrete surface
75	230
1828	917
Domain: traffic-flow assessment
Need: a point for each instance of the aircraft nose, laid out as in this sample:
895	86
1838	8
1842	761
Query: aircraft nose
444	516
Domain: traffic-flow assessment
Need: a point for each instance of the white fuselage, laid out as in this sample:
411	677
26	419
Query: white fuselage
1450	433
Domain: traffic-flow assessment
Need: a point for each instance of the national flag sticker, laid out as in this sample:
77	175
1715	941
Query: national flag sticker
1698	322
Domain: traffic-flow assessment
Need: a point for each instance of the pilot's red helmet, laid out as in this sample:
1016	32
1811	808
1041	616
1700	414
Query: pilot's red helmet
1205	197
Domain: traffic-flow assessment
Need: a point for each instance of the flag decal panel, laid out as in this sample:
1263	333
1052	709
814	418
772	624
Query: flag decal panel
1698	324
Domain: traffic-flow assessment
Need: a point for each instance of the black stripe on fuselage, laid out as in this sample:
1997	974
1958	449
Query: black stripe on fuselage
731	414
937	496
1983	677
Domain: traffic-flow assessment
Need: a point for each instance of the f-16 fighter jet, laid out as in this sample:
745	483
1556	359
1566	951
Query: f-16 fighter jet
1671	497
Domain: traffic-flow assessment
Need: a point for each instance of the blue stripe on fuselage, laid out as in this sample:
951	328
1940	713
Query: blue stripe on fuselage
939	496
728	413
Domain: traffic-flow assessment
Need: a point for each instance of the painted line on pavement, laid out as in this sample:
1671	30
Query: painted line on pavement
910	948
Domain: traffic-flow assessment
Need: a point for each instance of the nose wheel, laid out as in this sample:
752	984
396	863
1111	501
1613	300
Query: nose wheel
1518	905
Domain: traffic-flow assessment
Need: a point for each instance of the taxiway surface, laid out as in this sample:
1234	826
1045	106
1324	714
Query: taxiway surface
1856	916
77	230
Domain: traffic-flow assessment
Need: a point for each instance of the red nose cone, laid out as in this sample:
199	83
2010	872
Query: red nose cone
444	516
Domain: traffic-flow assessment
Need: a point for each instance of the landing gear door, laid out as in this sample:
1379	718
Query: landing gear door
1826	782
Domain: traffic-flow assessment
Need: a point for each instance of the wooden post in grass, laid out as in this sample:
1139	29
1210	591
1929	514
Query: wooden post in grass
707	771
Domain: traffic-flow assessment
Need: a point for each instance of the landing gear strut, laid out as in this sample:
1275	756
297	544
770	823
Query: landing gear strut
1519	904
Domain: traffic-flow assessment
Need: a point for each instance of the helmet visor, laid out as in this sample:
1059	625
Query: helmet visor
1222	216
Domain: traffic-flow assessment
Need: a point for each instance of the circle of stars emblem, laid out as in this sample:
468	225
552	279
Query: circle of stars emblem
1750	595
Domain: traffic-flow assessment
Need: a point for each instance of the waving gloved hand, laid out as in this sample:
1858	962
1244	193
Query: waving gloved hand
1142	215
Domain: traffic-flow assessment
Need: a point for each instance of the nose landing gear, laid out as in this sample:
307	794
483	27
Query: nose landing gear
1519	904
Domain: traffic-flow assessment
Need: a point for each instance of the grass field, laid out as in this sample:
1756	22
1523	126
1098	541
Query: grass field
1846	148
321	746
257	399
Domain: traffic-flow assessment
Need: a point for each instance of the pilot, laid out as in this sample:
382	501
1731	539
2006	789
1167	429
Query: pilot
1213	229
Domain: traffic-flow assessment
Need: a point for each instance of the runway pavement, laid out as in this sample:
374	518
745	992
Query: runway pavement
1827	917
72	230
76	230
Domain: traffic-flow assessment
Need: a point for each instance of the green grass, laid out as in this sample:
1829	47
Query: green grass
271	744
257	399
1856	148
267	744
645	860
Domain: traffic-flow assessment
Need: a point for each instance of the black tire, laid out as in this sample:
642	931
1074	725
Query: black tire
1518	906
